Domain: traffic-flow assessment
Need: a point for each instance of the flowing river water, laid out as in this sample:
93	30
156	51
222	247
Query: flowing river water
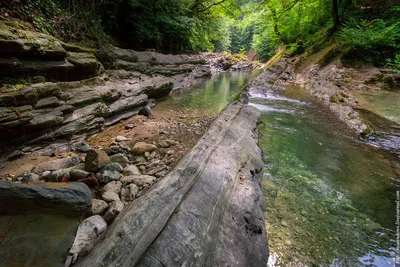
331	199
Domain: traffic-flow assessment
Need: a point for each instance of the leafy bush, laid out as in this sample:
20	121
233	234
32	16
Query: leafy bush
371	35
394	63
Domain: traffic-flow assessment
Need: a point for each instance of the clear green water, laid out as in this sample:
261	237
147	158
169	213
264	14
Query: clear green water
383	103
210	96
330	198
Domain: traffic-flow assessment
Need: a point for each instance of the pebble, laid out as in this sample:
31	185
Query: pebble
121	139
130	126
110	196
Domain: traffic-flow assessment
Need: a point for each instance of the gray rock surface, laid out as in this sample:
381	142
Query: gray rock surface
110	196
113	211
99	206
131	170
208	211
121	159
129	192
56	165
114	186
88	231
54	197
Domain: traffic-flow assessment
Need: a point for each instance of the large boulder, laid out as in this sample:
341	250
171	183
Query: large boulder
54	197
208	211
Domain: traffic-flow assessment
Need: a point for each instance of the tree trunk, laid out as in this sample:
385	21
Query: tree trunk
335	16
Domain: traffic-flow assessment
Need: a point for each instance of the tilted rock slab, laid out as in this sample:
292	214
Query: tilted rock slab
54	197
208	211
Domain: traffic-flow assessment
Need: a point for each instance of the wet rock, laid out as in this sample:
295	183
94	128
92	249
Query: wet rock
96	159
77	174
99	206
56	164
88	231
121	159
131	170
141	147
110	196
56	197
114	186
129	192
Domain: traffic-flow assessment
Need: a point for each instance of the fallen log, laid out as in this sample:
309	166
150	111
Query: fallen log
208	211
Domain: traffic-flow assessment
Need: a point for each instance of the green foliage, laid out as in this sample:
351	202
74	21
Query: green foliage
370	35
394	63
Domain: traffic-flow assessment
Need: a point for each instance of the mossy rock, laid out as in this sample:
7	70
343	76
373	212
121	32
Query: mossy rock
335	99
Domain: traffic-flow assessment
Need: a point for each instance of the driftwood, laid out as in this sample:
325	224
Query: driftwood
208	211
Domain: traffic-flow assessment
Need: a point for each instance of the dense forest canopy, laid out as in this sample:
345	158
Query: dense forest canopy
220	25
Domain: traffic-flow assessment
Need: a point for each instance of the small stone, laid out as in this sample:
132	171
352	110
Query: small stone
170	152
113	150
143	180
108	176
114	166
147	155
114	186
115	209
142	168
140	148
99	206
58	176
129	192
131	170
139	159
30	178
161	174
121	159
130	126
152	156
110	196
96	159
77	174
82	146
284	223
121	139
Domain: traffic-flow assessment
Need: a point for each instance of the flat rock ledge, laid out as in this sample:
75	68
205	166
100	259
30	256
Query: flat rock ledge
71	198
208	211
